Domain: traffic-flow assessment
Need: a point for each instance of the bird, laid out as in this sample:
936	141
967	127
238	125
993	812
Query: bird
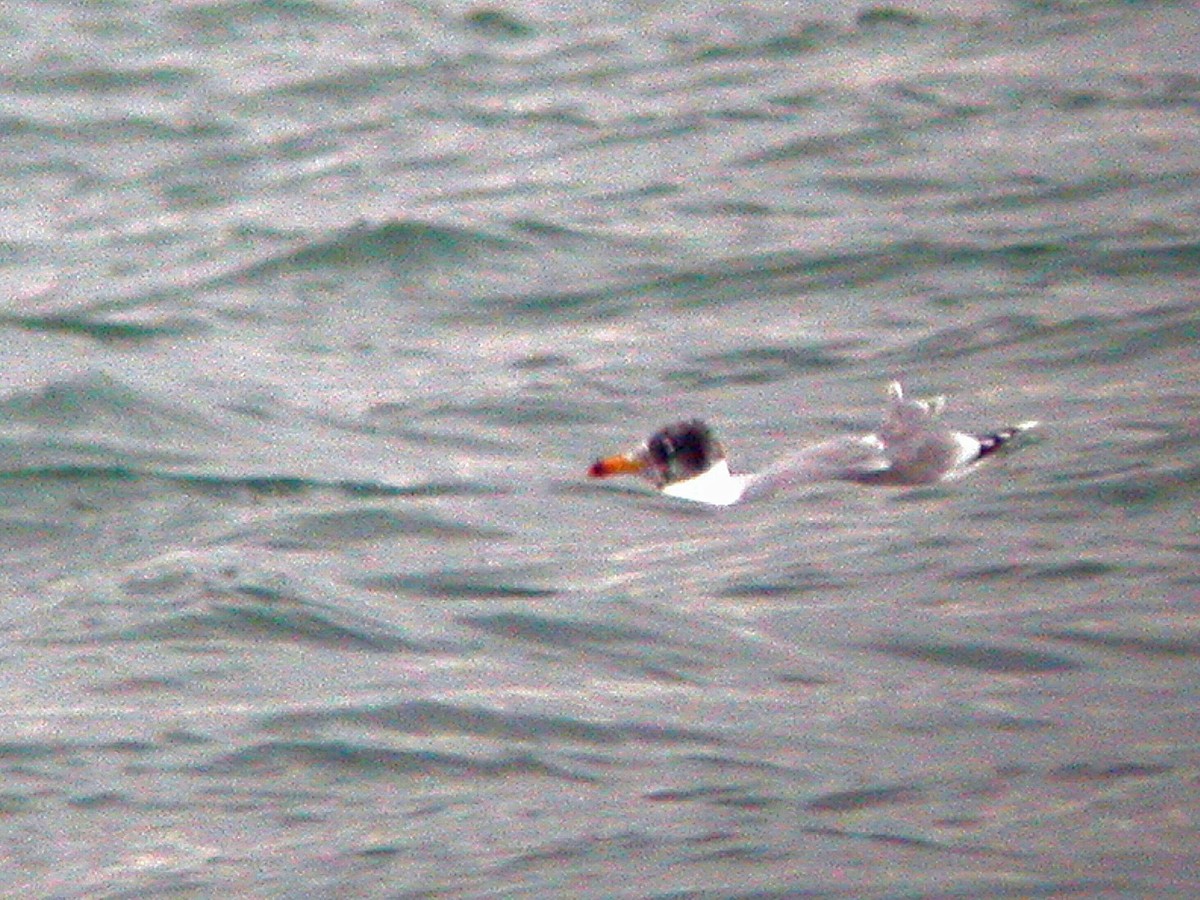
911	446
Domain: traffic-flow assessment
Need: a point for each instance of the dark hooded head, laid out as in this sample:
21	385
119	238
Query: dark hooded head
680	451
677	452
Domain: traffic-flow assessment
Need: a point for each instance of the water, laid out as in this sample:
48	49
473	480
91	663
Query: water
314	315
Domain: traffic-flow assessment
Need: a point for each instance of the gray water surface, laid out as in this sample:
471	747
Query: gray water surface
314	315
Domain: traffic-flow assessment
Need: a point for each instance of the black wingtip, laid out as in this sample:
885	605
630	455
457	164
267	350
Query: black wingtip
990	443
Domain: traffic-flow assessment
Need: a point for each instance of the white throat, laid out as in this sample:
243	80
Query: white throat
714	486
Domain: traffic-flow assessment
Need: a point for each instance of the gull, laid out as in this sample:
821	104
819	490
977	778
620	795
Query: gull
910	447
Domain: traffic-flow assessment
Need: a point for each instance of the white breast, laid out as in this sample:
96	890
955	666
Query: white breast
716	487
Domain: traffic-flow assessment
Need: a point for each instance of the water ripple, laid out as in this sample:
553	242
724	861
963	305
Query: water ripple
426	717
371	761
189	597
980	656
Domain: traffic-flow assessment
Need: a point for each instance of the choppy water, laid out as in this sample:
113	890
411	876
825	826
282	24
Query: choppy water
314	313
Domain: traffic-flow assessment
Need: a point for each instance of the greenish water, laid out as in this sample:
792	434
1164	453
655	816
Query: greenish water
314	315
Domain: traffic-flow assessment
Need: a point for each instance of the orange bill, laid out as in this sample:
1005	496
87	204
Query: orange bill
621	464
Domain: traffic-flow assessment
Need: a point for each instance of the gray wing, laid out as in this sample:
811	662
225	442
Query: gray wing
918	448
910	447
841	459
